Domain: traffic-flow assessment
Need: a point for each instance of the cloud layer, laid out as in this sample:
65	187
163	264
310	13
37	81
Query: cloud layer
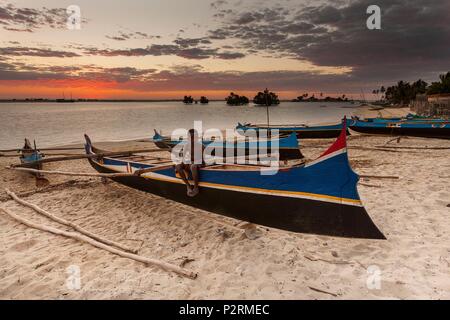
414	39
31	19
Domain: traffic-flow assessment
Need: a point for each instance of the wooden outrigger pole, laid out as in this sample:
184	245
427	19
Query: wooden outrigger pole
43	149
87	156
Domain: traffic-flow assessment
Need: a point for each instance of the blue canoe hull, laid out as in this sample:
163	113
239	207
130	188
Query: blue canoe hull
288	147
319	198
426	129
31	158
407	118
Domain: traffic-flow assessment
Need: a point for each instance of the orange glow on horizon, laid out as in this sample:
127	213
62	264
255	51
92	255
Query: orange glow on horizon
97	89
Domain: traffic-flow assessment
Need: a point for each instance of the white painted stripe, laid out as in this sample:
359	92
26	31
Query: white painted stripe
287	194
328	156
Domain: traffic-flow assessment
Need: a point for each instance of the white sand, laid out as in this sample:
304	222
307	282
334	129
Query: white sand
412	212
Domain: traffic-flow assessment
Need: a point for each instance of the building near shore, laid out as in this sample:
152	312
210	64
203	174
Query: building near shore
432	105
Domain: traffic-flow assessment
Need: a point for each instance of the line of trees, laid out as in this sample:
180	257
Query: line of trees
265	98
306	98
404	92
442	86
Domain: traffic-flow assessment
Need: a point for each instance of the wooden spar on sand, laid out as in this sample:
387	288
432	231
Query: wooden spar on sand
414	148
87	156
80	237
68	223
99	175
42	149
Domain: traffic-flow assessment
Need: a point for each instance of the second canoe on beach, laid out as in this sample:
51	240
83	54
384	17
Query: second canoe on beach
302	131
414	128
288	146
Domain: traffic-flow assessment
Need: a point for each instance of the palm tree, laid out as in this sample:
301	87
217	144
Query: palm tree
440	87
266	98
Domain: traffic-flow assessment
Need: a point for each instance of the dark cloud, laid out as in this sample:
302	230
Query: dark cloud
119	75
21	71
195	49
414	40
18	71
136	35
30	19
266	15
36	52
229	55
191	42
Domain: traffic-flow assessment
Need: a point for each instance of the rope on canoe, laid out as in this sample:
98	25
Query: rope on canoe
68	223
163	265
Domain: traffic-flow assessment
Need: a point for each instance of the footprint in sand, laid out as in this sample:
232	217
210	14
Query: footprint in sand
23	246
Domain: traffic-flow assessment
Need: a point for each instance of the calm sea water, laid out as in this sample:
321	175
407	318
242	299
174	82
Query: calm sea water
52	124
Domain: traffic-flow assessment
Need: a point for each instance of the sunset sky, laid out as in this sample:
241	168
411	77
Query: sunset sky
157	49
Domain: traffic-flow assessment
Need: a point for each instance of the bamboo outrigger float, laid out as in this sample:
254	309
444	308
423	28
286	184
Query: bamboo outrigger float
319	197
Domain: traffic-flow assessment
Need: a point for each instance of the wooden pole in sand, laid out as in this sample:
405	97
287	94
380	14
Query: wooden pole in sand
99	175
68	223
42	149
163	265
418	148
378	177
88	156
74	174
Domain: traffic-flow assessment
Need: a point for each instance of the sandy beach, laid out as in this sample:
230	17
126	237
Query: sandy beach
412	212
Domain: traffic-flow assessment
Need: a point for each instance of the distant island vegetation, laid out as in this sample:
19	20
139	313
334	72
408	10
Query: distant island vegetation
236	100
404	92
190	100
266	98
307	98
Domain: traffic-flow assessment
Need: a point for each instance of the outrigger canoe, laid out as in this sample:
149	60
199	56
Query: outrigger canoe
29	154
287	147
416	128
319	197
302	131
407	118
